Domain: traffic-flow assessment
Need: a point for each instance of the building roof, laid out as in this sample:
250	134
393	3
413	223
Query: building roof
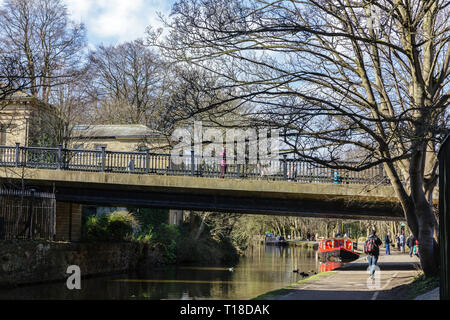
19	96
15	95
114	131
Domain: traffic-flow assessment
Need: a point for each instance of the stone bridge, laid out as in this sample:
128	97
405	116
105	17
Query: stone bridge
145	184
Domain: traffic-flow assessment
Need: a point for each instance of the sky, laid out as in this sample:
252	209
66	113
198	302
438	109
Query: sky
114	21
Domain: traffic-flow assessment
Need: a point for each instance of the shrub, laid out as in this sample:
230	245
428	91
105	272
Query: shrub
150	218
165	237
96	227
116	226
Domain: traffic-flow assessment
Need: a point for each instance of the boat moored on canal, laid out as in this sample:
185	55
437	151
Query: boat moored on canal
338	247
273	240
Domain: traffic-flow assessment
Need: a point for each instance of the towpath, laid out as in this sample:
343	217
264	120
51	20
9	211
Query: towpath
351	281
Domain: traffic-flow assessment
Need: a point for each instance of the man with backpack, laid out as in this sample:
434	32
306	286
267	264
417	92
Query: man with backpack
372	249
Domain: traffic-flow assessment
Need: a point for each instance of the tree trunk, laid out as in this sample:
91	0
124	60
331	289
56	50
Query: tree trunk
428	247
202	226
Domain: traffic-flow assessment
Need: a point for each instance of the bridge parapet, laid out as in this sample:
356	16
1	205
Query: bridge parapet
103	160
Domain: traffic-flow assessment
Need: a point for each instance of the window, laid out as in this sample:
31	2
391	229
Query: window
99	146
142	148
80	127
79	147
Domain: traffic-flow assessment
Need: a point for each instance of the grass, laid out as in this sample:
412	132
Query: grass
420	285
289	288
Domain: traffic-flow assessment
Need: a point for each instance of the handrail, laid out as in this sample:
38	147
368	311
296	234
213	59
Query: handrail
146	162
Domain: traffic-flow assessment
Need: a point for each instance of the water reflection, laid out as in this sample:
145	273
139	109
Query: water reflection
329	265
265	268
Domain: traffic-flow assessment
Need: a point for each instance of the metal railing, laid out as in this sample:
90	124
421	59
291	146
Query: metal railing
146	162
26	214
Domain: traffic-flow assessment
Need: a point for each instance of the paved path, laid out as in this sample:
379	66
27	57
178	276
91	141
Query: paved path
430	295
351	282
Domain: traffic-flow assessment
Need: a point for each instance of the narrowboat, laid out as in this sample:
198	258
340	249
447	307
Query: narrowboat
271	239
341	248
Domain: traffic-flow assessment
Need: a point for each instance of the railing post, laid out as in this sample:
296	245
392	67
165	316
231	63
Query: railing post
147	160
238	169
192	163
60	156
285	167
103	158
17	153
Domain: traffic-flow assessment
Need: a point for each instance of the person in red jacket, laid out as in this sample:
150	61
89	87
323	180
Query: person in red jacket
223	163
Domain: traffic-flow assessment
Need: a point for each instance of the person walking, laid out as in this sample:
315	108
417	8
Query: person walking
416	248
387	244
397	240
410	243
402	242
372	249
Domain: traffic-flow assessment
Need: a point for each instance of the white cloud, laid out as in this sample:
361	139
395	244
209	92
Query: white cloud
110	21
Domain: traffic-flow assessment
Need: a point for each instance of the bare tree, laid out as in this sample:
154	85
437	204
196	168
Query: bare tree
72	105
49	46
12	76
128	81
336	76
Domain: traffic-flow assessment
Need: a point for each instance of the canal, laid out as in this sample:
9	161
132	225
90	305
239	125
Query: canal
263	269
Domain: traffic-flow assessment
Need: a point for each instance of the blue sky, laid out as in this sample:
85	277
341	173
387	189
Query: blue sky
114	21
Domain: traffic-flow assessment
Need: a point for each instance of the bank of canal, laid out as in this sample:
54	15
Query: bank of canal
263	269
350	282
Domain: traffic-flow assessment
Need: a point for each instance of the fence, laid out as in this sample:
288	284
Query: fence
187	165
27	215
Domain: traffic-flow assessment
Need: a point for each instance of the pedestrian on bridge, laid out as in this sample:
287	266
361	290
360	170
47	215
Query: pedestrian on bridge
261	169
337	178
223	163
131	164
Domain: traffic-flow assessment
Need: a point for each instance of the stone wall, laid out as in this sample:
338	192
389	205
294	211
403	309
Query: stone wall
26	262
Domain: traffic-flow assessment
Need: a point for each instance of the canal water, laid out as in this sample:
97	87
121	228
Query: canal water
263	269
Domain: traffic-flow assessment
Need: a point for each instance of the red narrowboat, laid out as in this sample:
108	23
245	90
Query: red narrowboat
342	248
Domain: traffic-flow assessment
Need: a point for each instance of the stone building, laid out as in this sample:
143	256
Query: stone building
120	137
24	119
27	121
127	137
